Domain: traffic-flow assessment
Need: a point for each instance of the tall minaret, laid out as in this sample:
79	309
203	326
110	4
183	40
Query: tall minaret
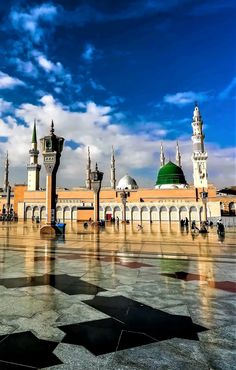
88	171
199	155
33	167
6	173
113	170
178	155
162	157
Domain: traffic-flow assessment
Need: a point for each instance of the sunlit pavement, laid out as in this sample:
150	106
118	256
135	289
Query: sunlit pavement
117	298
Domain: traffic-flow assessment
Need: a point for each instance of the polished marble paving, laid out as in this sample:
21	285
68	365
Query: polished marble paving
117	298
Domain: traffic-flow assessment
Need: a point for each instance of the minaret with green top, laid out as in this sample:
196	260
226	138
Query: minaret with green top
33	167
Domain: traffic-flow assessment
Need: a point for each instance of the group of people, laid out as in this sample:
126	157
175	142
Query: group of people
184	222
220	227
194	228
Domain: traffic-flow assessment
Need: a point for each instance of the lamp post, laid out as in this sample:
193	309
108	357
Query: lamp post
96	181
8	200
52	147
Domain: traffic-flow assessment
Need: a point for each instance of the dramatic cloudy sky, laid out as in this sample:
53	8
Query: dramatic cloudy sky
123	73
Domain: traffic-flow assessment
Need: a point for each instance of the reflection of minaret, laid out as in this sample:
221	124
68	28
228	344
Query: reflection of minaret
199	156
113	170
88	171
162	157
6	173
33	167
178	155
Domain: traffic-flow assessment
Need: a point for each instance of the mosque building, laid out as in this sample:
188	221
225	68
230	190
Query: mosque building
171	199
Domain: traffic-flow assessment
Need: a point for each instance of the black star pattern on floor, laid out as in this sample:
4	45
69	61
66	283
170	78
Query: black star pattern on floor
68	284
131	324
24	349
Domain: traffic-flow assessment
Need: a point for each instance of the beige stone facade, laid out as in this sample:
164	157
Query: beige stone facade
142	205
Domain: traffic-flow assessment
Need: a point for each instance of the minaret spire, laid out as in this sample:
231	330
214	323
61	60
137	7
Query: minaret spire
162	157
33	167
6	174
199	155
52	128
178	155
34	135
88	170
113	169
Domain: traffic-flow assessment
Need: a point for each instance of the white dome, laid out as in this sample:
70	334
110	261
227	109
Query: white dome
127	182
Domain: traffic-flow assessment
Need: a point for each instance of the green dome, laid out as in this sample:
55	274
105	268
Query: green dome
170	174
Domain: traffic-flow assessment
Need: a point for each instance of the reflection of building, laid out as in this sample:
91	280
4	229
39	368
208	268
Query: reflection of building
172	198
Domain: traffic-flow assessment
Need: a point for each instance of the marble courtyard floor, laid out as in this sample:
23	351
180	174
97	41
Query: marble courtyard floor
158	298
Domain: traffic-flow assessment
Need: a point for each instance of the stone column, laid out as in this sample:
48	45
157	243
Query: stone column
123	196
204	196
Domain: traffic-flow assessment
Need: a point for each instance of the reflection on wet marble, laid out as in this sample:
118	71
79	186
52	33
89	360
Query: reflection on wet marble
55	294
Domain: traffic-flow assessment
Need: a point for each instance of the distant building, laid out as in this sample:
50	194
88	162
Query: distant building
171	199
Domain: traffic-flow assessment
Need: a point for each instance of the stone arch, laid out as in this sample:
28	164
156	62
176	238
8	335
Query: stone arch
43	213
128	213
145	214
153	213
59	213
174	216
135	213
183	213
36	212
66	213
232	208
101	213
193	213
164	215
74	213
117	212
108	213
28	213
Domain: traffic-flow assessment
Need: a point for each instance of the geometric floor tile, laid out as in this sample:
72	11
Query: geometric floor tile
115	260
131	324
185	276
138	317
228	286
27	350
11	366
65	283
103	336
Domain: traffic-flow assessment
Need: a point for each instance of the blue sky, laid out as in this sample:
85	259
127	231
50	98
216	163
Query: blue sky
125	73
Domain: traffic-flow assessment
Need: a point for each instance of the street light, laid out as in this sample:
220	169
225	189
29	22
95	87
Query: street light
96	181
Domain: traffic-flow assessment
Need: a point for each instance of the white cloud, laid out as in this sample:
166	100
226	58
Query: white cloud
115	100
187	97
47	65
227	92
4	106
137	151
96	85
25	67
8	82
31	20
57	73
89	52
